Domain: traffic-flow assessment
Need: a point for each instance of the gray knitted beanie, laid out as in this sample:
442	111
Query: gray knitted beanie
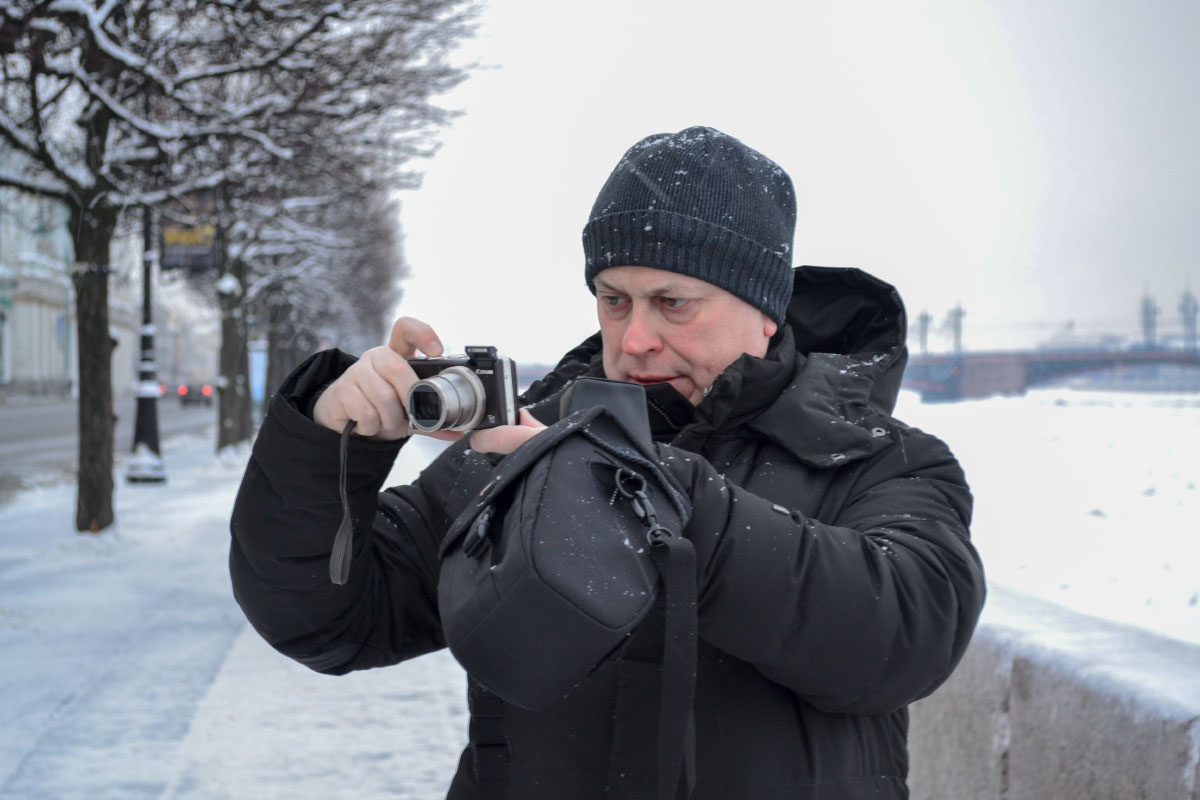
702	204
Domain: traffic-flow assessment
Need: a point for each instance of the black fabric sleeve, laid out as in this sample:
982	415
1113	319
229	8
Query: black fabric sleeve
283	525
863	612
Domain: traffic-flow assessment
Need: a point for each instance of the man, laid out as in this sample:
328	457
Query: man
837	579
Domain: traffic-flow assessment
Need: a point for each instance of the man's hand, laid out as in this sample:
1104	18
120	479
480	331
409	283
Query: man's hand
506	438
373	390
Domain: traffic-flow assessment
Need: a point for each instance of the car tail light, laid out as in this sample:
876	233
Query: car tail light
206	390
182	390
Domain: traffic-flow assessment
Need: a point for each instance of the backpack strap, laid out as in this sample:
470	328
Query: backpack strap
489	745
675	558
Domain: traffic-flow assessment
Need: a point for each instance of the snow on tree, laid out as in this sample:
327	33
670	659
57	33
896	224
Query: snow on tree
119	103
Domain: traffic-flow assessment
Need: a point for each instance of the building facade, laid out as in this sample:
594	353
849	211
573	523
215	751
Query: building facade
38	347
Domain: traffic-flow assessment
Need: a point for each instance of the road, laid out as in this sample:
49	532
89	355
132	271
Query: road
39	438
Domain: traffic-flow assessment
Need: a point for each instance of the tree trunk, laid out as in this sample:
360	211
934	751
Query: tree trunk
234	403
280	331
288	344
94	494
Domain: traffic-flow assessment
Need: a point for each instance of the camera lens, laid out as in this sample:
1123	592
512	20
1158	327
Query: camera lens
425	405
452	400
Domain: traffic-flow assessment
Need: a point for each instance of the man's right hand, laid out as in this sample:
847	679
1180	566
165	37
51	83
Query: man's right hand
372	391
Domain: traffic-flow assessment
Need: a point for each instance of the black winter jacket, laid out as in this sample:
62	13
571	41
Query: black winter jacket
837	580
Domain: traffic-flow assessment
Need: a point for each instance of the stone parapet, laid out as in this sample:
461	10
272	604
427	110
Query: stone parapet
1048	703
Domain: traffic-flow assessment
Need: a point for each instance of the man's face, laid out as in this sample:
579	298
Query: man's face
662	327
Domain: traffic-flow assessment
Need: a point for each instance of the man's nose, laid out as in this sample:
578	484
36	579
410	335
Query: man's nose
641	334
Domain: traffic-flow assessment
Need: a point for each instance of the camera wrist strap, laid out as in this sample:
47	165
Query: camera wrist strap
343	543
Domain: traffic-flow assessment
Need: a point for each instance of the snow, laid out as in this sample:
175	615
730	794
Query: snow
228	284
1088	499
48	186
96	19
130	672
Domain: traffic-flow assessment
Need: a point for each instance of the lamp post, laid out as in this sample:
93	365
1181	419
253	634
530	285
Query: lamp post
146	464
1188	309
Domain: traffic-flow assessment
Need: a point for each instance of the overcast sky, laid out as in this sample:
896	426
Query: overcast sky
1036	162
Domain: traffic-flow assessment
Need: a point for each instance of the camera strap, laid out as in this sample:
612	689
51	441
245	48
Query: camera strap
343	543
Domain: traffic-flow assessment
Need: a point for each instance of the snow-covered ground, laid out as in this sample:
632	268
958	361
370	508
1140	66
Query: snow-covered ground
127	671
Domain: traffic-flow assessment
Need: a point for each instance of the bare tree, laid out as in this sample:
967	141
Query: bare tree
362	113
119	103
339	288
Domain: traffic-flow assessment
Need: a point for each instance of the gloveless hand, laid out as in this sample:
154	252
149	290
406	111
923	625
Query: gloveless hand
372	391
506	438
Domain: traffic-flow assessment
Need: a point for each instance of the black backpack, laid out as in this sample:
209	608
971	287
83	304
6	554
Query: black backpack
549	570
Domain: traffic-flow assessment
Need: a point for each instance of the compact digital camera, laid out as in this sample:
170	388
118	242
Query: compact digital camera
462	393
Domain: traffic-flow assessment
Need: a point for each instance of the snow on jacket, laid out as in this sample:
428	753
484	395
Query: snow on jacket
837	580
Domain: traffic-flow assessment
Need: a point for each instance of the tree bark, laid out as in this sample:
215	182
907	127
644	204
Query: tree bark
288	343
234	402
94	492
280	331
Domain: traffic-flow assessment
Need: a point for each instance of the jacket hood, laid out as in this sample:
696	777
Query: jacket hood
845	311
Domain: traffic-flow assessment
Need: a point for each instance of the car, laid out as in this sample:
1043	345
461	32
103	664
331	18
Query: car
195	393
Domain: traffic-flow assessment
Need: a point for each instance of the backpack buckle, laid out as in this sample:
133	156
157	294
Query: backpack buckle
476	541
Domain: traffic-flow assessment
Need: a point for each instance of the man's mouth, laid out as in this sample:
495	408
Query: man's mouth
646	380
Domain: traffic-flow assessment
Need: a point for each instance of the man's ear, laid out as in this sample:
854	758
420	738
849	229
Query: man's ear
769	326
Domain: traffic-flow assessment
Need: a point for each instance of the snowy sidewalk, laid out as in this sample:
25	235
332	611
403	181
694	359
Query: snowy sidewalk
129	672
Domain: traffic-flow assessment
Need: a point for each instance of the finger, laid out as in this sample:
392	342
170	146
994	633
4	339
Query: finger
356	406
445	436
410	335
503	439
384	398
362	395
527	419
329	411
391	377
342	402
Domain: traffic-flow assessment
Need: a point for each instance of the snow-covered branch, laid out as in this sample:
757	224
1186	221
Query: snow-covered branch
293	117
264	62
17	136
43	186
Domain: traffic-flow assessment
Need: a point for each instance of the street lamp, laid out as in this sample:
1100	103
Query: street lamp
146	464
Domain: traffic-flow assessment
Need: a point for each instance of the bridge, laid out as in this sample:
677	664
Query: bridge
956	376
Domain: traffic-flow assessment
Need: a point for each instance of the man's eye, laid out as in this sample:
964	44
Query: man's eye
611	299
674	302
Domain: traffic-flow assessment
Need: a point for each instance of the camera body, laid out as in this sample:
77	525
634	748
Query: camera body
462	393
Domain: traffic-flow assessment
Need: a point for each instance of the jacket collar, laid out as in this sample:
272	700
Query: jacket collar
846	332
823	415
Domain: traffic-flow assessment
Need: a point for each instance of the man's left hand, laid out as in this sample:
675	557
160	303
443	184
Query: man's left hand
506	438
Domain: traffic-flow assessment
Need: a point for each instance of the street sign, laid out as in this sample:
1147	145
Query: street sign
191	247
